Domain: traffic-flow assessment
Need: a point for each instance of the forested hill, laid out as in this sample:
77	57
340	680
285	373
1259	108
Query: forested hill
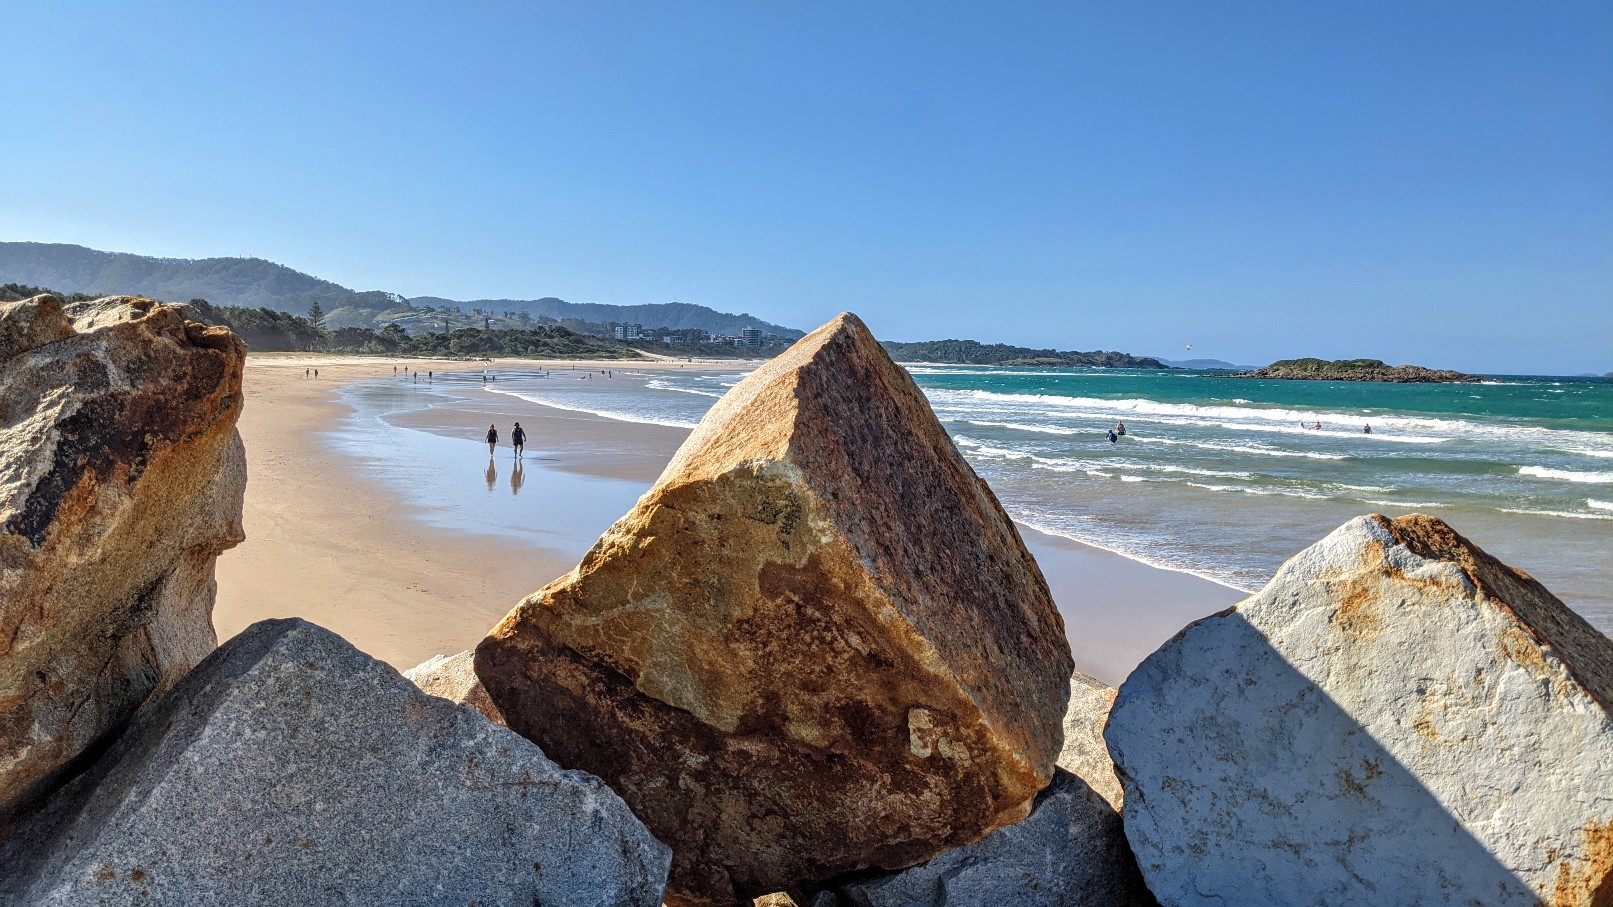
675	315
970	352
255	283
246	282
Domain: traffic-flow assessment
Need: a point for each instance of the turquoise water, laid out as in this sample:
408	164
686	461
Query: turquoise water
1227	477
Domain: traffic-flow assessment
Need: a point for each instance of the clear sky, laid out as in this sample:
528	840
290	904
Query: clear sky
1426	182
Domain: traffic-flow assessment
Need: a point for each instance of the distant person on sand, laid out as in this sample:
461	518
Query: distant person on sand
492	439
518	438
316	373
306	372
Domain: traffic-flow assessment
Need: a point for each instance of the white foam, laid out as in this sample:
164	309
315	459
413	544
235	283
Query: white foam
1558	513
1594	504
1567	475
612	414
1244	448
658	384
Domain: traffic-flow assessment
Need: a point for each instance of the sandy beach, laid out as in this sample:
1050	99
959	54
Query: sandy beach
339	535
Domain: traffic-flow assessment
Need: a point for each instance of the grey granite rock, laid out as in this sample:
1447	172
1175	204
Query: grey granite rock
1396	719
1070	852
290	768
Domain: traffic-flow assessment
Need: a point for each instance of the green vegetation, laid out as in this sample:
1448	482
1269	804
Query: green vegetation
971	352
13	292
1312	369
252	283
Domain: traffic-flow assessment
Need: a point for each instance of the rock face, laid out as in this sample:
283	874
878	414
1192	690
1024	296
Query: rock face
453	677
1397	718
290	768
121	477
1356	370
1085	753
1070	852
818	644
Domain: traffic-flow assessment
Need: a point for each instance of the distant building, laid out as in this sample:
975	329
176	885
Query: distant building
629	331
751	336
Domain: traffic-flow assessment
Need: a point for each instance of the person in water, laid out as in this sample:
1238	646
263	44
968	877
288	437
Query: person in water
1112	436
492	439
518	438
1120	429
1366	430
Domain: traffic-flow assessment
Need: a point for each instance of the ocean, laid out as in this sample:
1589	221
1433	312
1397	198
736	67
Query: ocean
1226	478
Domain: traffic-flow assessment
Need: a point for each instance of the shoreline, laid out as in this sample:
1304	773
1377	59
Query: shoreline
405	575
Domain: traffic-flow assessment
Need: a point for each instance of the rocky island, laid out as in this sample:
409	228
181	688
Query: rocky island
1311	369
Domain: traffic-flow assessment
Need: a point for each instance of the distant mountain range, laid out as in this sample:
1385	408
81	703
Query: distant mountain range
1207	364
256	283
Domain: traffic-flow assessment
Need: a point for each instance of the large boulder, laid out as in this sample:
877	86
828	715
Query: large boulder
1397	718
290	768
453	677
1069	852
121	478
816	645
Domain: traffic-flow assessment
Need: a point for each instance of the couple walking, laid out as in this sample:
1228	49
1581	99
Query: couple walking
517	438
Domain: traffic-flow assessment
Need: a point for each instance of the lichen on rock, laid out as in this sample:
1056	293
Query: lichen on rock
1396	718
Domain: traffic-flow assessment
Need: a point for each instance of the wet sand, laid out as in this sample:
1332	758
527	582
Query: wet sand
402	535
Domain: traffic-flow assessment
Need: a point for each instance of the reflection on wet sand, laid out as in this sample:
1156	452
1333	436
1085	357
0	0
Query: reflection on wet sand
492	474
517	477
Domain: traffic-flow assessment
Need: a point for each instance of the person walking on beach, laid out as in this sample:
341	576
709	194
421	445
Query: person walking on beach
492	439
518	438
316	373
306	372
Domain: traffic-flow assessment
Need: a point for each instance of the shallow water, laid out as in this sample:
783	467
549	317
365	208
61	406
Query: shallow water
1218	476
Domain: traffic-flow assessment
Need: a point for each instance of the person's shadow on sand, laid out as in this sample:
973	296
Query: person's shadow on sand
517	478
492	474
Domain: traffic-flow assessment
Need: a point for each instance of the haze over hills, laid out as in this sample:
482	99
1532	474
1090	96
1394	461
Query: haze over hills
1206	364
255	283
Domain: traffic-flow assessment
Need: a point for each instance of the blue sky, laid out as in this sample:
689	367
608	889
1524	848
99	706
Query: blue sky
1419	182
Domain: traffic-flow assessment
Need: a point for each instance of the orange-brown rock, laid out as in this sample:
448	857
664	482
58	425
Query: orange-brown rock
121	477
817	644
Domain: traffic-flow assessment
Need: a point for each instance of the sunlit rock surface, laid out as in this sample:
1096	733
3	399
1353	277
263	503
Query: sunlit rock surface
818	644
291	768
1397	718
453	677
1085	753
121	478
